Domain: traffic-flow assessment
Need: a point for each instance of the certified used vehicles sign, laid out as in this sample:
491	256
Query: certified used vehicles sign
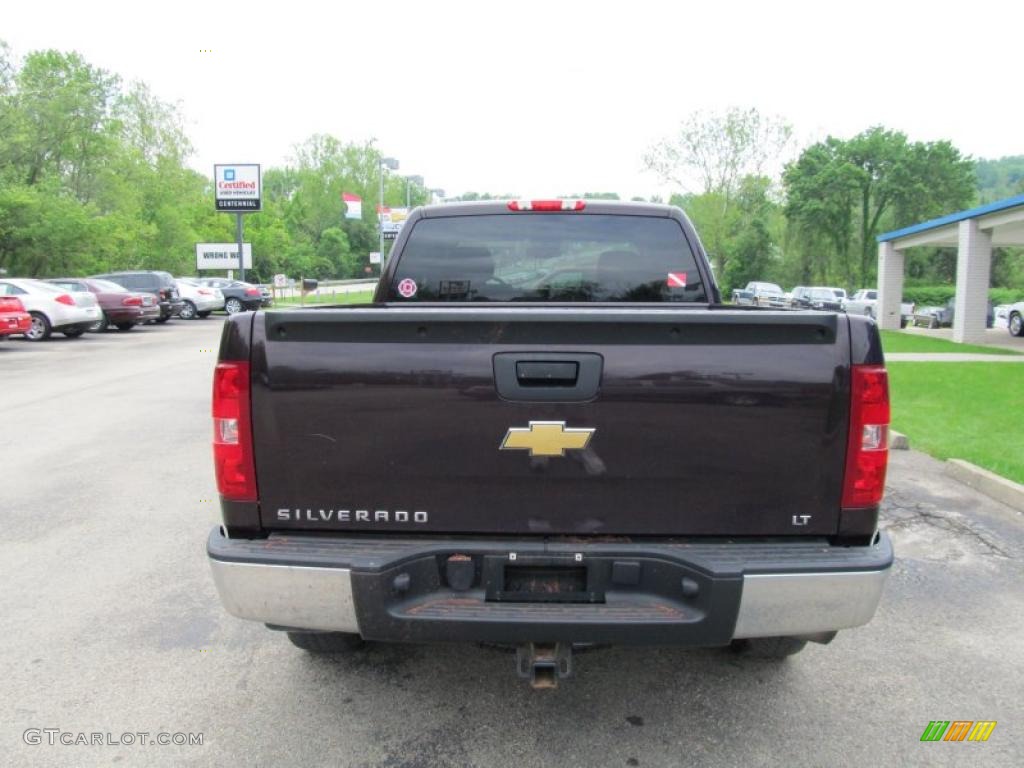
237	187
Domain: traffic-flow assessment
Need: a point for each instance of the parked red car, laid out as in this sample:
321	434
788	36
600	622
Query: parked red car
13	317
121	308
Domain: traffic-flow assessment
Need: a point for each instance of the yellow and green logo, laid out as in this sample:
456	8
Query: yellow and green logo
958	730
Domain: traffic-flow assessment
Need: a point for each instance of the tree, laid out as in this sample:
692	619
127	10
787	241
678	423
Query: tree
593	196
750	232
333	250
998	179
821	197
849	191
751	257
715	221
92	172
62	125
720	150
472	196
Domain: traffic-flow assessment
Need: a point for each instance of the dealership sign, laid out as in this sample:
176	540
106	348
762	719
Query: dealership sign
221	255
237	188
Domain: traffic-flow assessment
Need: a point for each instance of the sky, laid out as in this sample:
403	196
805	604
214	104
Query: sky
546	98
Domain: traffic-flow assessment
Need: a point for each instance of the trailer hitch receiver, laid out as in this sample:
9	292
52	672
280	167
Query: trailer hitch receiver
544	664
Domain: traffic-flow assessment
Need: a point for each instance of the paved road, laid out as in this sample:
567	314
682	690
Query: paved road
112	623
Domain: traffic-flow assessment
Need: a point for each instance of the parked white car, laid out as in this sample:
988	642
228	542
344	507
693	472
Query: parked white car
52	308
200	300
1015	319
862	302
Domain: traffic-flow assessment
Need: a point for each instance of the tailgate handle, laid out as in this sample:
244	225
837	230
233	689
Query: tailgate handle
541	374
548	376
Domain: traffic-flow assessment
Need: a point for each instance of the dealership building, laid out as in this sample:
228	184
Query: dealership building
974	233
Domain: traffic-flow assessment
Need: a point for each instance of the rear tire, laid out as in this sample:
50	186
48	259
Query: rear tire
326	642
100	325
163	319
188	311
125	326
233	306
769	647
41	328
1016	324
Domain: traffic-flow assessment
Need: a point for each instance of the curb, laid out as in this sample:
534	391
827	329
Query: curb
898	441
989	483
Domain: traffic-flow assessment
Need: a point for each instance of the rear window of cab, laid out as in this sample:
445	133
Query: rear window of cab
547	257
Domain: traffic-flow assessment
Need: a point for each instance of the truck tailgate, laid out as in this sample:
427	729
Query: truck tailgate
704	421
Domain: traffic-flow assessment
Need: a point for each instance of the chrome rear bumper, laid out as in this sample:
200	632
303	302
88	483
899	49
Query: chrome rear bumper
259	584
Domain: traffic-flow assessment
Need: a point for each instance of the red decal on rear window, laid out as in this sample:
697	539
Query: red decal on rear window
676	280
407	288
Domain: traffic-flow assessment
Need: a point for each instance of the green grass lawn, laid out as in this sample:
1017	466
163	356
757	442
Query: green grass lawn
363	297
898	341
970	411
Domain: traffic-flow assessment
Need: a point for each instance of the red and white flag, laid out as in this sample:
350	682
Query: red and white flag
353	205
676	280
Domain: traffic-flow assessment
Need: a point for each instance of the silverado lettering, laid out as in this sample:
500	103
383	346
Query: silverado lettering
609	454
347	516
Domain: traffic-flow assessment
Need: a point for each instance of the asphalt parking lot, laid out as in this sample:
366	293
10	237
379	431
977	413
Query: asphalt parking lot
112	623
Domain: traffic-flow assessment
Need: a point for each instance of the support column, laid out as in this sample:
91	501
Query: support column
890	287
973	265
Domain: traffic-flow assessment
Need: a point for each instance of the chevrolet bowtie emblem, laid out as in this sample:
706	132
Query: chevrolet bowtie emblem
546	438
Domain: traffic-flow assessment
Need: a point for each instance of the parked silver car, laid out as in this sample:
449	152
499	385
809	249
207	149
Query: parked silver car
52	308
865	302
742	298
200	300
766	294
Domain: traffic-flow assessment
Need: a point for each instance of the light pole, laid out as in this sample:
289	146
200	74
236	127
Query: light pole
391	163
418	181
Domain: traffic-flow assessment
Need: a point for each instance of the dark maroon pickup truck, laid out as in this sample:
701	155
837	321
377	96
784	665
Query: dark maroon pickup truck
548	431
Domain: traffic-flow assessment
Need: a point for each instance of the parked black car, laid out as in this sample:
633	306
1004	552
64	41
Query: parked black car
151	281
239	296
815	298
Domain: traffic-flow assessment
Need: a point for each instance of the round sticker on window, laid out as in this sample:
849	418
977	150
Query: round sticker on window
407	288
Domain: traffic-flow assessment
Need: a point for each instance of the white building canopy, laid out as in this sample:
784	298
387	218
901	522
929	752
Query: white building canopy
974	232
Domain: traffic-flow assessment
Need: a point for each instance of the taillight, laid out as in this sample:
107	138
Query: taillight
546	205
232	432
867	452
203	292
131	301
252	291
65	299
